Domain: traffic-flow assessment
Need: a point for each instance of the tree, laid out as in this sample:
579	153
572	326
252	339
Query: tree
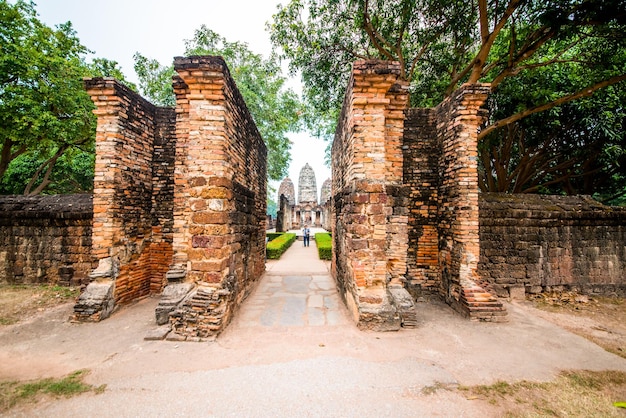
275	110
578	147
441	44
46	118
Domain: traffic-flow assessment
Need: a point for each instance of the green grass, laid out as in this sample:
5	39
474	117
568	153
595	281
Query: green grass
16	393
277	246
324	243
579	393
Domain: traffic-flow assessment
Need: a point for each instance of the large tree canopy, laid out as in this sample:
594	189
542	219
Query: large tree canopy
46	123
552	51
275	109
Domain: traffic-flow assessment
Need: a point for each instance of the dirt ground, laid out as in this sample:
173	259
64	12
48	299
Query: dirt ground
446	367
22	302
599	319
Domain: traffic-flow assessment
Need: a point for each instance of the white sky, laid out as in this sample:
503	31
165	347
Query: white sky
116	29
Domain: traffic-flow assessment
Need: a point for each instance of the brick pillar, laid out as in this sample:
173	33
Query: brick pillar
123	198
458	120
369	219
219	199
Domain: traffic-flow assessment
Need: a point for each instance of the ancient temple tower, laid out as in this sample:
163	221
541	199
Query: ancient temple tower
307	187
286	188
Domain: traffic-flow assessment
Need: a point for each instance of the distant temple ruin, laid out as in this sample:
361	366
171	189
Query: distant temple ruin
307	210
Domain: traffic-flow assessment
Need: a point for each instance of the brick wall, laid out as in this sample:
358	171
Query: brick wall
220	197
369	220
132	197
422	152
533	243
440	168
45	239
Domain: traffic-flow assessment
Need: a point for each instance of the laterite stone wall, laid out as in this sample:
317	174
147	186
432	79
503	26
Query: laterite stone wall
533	244
45	239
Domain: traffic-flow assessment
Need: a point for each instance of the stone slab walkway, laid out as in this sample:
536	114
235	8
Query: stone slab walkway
296	291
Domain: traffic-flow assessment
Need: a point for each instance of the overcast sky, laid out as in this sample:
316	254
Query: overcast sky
116	29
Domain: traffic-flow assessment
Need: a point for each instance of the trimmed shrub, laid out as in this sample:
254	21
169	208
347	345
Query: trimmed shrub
324	244
271	236
277	246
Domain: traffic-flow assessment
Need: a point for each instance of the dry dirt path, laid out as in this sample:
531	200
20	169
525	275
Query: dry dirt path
291	351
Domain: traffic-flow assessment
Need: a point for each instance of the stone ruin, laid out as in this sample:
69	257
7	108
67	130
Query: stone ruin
307	210
178	210
179	200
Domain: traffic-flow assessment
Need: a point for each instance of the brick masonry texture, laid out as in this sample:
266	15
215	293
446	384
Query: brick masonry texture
133	195
45	239
180	199
405	198
552	243
220	192
440	167
369	221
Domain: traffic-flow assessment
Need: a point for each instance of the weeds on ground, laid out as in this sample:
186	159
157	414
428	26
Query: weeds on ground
18	393
572	394
19	301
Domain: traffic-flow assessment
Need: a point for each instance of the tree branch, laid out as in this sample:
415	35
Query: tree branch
374	36
45	182
586	92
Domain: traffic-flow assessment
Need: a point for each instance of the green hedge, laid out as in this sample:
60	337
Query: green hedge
277	246
324	244
271	236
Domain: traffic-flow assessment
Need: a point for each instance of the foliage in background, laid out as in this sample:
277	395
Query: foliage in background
276	247
47	128
275	109
324	243
553	52
272	207
273	235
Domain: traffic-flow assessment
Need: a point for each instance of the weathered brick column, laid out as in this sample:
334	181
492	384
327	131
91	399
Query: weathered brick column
130	200
370	216
458	120
441	169
220	199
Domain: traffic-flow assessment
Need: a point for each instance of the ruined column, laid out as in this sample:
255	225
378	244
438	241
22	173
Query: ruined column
458	120
131	199
220	201
369	222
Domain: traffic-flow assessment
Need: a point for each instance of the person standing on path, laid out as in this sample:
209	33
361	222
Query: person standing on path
307	232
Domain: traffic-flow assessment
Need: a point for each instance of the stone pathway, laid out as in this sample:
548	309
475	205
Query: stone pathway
283	298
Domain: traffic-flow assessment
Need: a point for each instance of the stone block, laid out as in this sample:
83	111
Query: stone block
517	293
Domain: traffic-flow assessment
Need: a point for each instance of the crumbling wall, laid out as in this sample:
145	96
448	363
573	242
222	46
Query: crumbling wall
440	167
534	243
220	198
369	220
45	239
132	215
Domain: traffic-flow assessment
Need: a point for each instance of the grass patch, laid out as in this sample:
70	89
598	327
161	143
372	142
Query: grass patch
17	393
23	300
573	394
324	243
276	247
